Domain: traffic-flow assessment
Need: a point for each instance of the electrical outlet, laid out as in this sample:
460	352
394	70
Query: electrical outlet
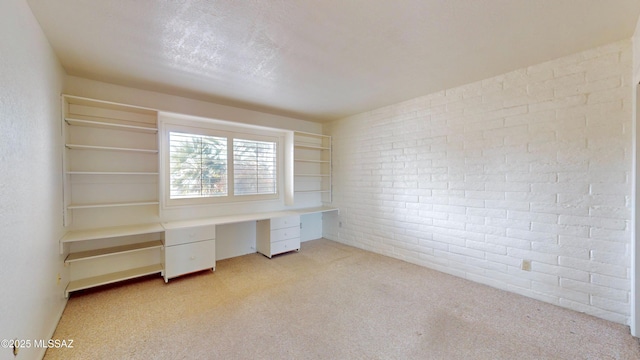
526	265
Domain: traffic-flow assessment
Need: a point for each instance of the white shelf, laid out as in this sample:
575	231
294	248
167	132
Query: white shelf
312	175
123	249
310	146
80	100
315	210
112	277
110	173
312	191
313	161
111	205
108	125
109	148
311	135
111	232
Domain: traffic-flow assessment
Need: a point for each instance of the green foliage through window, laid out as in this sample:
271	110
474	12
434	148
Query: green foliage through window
197	166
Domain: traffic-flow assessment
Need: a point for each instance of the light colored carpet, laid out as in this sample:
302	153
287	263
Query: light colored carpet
329	301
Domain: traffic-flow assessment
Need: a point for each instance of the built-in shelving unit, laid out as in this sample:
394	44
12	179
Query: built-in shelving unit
111	161
110	188
312	165
111	198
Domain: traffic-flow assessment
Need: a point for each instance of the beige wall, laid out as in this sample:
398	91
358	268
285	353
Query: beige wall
30	180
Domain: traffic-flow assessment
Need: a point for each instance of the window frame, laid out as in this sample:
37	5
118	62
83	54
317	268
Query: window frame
210	127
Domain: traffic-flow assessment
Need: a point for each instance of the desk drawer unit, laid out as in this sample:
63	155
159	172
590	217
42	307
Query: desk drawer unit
278	235
187	235
188	250
285	222
187	258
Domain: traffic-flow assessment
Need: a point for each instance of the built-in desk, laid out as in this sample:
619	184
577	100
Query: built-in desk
230	219
190	245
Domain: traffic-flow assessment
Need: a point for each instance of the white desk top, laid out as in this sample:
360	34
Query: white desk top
220	220
101	233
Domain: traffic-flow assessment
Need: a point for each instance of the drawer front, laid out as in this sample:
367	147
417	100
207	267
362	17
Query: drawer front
285	234
285	222
183	259
189	234
284	246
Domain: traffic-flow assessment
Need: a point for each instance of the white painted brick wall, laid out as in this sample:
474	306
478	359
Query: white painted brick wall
530	165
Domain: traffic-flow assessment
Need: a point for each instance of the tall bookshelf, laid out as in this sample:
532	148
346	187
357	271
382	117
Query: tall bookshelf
312	166
111	196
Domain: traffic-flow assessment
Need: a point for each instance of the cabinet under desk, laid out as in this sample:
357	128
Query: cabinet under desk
190	245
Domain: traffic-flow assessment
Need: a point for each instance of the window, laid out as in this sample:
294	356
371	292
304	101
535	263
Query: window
210	164
197	166
254	167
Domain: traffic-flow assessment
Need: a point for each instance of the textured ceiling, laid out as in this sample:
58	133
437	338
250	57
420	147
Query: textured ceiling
319	60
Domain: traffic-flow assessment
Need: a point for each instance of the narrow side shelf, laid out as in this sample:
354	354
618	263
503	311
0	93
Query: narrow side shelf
112	277
313	161
123	249
312	175
310	146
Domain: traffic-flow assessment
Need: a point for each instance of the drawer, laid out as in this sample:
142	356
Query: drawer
285	222
284	246
284	234
183	259
189	234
